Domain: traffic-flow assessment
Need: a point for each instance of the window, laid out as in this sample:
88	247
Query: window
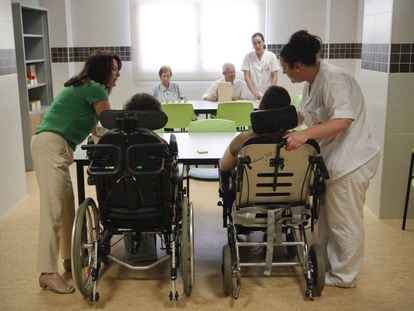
194	37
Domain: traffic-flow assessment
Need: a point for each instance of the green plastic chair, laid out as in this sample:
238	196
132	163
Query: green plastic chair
296	99
207	126
179	115
212	126
239	112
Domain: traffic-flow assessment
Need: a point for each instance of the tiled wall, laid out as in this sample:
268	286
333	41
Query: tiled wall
7	62
375	57
80	54
402	57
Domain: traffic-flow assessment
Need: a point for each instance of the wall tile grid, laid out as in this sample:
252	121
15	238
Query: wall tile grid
7	62
402	57
80	54
373	57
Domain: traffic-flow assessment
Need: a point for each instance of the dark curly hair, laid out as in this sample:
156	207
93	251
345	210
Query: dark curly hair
143	101
275	97
302	47
98	67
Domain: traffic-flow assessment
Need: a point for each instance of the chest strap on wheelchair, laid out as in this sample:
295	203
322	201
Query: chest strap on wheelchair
278	162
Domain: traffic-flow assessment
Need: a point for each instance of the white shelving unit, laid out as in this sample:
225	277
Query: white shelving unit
31	34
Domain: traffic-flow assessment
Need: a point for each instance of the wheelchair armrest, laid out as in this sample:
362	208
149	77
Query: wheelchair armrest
224	182
178	173
173	145
113	151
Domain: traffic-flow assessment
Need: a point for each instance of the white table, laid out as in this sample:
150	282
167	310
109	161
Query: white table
193	148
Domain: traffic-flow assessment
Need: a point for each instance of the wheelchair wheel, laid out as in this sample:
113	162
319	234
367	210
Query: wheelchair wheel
227	270
187	246
85	235
318	268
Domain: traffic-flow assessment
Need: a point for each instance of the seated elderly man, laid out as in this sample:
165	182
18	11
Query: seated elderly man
238	86
275	97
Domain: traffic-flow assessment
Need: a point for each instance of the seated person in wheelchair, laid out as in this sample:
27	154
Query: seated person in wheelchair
139	247
143	247
275	97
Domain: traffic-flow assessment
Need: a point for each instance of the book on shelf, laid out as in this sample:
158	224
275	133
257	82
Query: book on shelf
31	75
35	105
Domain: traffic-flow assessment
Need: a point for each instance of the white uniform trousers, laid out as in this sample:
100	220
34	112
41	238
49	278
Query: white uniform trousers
52	156
341	224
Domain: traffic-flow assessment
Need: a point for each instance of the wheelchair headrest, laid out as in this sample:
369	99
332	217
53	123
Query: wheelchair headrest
274	120
128	120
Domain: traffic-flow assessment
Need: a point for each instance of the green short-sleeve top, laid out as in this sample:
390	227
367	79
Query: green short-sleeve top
72	114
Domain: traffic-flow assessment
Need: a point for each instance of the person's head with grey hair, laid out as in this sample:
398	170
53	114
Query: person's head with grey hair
229	72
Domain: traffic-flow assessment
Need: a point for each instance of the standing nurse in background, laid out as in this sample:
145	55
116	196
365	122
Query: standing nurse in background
167	91
71	117
260	67
333	109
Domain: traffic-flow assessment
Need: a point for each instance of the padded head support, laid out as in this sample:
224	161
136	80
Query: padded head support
274	120
129	120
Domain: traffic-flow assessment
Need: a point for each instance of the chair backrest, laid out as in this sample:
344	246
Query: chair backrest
179	115
296	99
212	125
267	174
132	176
239	112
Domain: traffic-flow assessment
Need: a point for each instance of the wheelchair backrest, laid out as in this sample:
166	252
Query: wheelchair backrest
132	172
267	174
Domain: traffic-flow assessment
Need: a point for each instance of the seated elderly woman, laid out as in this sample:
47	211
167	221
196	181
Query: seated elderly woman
275	97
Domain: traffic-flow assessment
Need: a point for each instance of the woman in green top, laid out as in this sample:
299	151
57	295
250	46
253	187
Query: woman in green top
71	117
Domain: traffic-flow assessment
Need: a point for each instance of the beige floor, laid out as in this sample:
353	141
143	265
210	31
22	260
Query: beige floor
386	281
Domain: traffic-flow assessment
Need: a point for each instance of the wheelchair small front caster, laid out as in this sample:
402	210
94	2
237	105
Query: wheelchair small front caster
94	298
173	296
308	294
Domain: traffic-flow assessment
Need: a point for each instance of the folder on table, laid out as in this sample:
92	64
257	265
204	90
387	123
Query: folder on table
225	91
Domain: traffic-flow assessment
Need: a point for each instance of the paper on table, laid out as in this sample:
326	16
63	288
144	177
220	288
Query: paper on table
224	91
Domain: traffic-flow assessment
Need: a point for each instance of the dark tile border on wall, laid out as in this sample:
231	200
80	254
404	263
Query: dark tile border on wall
402	57
80	54
331	51
7	62
375	57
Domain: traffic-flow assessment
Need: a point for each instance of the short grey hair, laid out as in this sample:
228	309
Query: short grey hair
226	65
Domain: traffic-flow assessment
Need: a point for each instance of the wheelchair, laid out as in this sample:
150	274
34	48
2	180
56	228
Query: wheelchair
139	188
274	193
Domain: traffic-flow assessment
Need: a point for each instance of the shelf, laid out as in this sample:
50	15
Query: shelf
32	61
31	35
29	87
41	111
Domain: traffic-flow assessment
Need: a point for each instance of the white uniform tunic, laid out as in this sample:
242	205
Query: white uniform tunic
260	70
351	158
335	94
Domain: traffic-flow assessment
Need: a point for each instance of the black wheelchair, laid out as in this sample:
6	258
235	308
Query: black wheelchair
139	187
277	194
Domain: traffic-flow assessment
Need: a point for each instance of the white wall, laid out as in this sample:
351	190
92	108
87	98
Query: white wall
111	27
12	176
399	131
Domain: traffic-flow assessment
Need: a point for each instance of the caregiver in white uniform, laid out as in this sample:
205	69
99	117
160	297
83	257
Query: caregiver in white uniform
260	67
333	109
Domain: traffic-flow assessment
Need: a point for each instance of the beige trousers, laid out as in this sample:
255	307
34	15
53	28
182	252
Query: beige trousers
52	156
341	224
